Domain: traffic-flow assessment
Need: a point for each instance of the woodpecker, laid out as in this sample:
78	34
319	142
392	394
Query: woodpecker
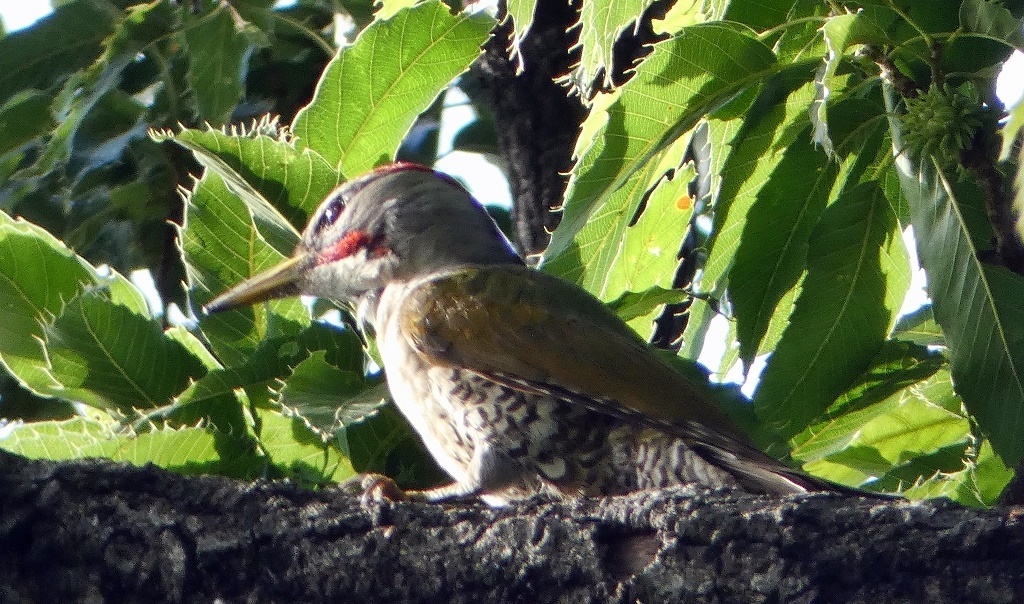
517	382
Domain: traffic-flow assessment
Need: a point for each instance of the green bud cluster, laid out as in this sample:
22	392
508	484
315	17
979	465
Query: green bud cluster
942	122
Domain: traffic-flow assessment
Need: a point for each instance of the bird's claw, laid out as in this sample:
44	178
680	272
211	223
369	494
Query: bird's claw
374	488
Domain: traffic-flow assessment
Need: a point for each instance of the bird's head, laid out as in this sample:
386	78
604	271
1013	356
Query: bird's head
397	223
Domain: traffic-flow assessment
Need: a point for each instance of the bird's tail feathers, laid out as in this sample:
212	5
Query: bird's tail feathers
765	474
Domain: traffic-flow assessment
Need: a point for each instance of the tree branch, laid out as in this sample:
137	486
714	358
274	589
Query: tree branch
539	118
981	160
100	531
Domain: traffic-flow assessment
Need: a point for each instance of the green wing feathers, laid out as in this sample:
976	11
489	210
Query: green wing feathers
540	330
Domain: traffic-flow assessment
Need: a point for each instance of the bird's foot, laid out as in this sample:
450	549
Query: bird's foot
450	492
373	488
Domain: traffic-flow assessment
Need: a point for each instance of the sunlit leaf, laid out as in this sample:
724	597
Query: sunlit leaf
601	23
368	97
38	275
773	248
631	305
298	452
520	12
618	251
106	355
920	327
226	240
184	450
857	277
263	158
684	77
752	160
896	367
328	398
914	421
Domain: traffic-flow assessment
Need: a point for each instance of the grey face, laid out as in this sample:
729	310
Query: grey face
341	213
407	217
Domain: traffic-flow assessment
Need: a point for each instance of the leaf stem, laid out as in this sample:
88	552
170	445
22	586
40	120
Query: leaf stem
306	31
784	26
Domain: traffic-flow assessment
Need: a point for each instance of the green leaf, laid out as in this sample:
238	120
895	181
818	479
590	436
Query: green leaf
221	410
218	45
184	450
226	239
773	249
648	254
521	14
38	274
867	25
277	357
978	484
650	251
44	55
601	23
264	159
977	305
684	78
916	421
631	305
194	451
23	118
143	25
685	14
920	327
107	356
878	391
298	452
371	92
800	37
972	476
992	20
328	398
619	251
385	444
857	276
750	159
29	297
194	345
212	397
758	15
990	474
75	438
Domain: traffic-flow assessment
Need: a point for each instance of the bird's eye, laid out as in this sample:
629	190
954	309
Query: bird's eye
331	212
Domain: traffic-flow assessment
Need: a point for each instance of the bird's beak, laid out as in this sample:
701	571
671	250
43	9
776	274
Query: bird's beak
277	282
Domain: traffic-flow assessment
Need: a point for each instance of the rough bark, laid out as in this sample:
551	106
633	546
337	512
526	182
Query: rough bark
97	531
